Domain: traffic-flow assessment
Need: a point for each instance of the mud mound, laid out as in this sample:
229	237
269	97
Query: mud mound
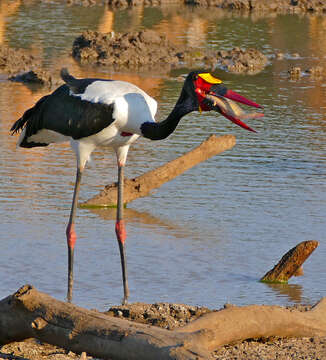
143	48
149	49
239	60
13	61
165	315
24	66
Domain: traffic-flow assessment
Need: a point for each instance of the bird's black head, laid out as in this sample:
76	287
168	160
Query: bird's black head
196	86
205	92
201	92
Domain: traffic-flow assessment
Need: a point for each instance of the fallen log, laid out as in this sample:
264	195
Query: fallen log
142	185
291	263
30	313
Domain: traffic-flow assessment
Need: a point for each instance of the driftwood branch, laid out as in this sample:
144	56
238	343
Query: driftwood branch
291	263
142	185
30	313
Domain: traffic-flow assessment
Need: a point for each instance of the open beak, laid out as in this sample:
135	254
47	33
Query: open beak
213	95
232	111
232	95
223	101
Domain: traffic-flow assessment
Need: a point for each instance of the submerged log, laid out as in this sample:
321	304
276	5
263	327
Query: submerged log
291	263
142	185
30	313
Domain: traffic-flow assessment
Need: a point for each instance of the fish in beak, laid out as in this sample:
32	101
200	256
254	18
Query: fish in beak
212	95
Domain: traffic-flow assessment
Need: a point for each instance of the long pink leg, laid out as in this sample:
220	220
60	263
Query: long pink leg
121	232
71	234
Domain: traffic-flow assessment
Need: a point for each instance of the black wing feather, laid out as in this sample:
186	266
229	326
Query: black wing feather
65	114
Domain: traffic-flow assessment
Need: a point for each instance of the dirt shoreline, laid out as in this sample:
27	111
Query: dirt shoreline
146	49
170	316
248	6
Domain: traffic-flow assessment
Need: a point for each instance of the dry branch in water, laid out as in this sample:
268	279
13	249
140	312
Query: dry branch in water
291	263
142	185
30	313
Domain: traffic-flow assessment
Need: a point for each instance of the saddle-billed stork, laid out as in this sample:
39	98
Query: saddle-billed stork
98	112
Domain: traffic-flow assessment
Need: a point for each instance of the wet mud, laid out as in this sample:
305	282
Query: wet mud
143	50
239	61
134	49
152	50
25	66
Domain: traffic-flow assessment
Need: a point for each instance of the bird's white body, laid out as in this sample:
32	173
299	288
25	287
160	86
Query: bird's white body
132	107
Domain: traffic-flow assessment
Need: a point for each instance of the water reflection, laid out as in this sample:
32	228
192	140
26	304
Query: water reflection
293	292
7	9
143	218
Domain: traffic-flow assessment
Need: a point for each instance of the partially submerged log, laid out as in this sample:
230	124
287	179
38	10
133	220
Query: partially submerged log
30	313
142	185
291	263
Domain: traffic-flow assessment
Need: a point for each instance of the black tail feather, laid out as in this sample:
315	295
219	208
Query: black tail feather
28	119
72	82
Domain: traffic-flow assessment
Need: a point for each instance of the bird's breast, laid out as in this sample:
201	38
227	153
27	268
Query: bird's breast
131	111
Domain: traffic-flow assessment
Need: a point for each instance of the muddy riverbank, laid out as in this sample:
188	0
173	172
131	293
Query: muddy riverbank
132	50
275	6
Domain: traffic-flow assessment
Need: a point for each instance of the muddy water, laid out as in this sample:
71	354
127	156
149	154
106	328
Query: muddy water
206	237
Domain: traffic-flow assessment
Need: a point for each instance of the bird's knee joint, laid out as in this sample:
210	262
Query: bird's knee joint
120	230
